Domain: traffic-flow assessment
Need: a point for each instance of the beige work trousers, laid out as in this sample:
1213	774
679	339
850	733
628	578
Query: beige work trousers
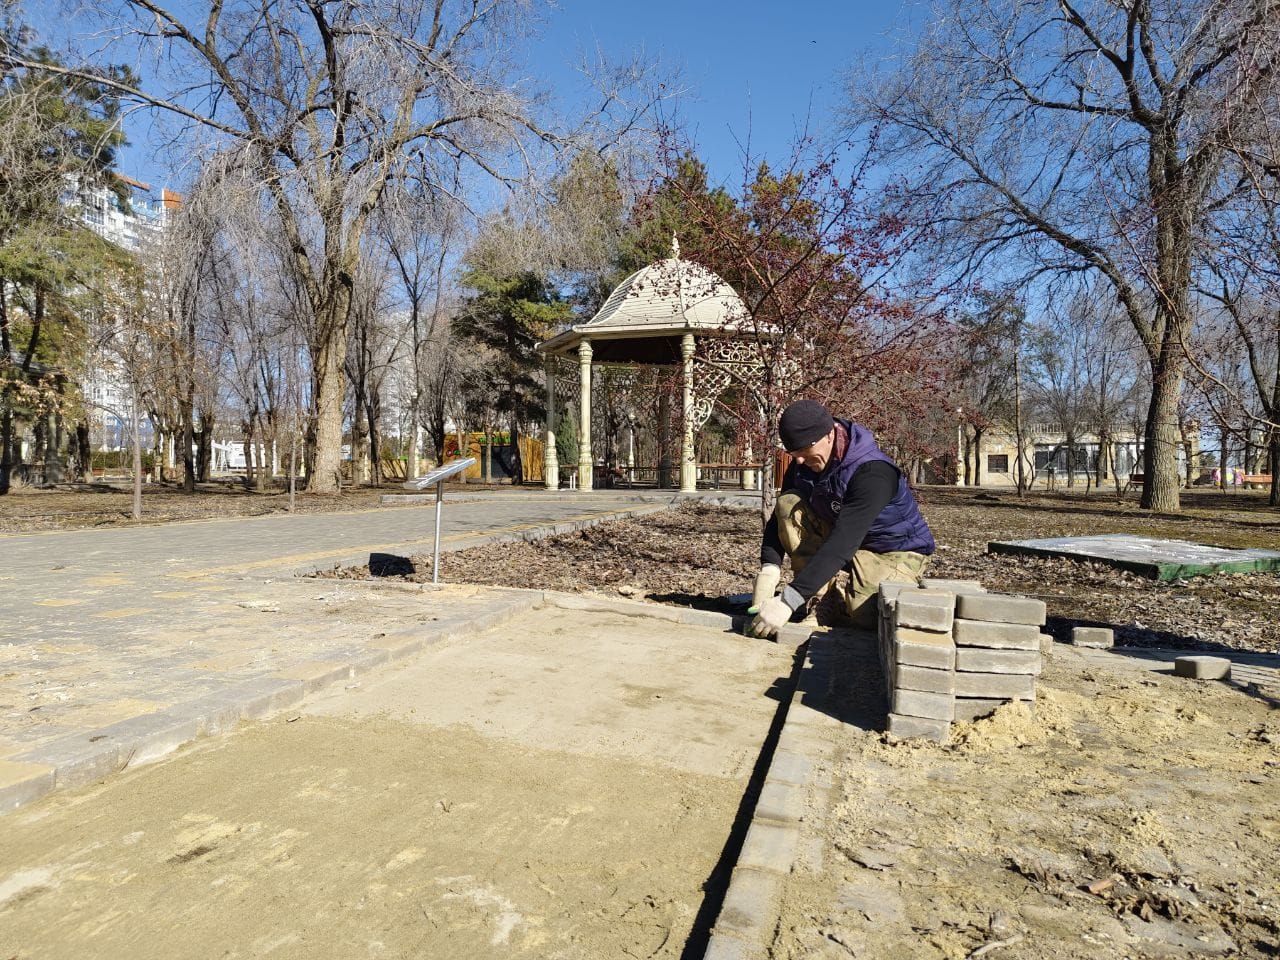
802	532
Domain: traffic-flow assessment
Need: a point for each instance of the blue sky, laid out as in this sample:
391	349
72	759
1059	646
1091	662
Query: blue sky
750	67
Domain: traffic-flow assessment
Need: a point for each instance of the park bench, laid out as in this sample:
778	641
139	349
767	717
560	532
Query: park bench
1260	479
1135	480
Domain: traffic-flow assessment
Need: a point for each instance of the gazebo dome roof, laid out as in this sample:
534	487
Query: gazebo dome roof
666	299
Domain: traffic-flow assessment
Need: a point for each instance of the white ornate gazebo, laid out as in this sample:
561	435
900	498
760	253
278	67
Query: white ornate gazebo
655	317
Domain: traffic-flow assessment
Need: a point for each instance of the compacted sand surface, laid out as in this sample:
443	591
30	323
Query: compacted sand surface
559	787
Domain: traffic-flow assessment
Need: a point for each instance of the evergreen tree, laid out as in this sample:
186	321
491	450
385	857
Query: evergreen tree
54	132
508	315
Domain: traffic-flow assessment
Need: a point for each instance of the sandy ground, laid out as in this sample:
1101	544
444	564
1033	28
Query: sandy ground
561	787
1161	792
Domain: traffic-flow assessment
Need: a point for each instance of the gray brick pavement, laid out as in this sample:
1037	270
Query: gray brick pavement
118	645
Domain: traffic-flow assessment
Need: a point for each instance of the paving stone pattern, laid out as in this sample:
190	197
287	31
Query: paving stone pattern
951	651
119	645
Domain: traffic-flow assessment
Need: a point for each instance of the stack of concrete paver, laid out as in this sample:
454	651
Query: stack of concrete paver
952	651
997	651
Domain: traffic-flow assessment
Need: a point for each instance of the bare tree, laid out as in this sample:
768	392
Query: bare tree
420	227
327	101
1083	136
1241	274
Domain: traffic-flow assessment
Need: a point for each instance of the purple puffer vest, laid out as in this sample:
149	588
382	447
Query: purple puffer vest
900	525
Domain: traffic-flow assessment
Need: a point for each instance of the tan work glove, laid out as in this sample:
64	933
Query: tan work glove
767	581
770	617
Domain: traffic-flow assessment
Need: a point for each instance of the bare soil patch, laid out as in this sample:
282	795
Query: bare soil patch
1134	815
697	554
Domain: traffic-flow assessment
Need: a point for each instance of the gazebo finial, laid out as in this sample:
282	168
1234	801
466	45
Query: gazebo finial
675	246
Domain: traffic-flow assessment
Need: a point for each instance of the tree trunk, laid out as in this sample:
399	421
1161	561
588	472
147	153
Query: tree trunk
84	450
246	441
359	449
517	469
1273	454
1189	466
329	363
204	453
186	415
411	455
1160	449
6	444
375	441
293	467
977	457
137	459
968	452
1223	437
157	450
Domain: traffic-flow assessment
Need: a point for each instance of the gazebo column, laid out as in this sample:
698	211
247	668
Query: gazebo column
688	463
550	460
586	464
748	474
664	438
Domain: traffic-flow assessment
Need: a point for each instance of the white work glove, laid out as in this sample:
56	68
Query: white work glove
766	584
772	615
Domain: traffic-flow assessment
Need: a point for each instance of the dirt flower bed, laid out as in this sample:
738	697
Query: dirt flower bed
697	554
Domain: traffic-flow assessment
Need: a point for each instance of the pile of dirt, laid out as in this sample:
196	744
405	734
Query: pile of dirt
1132	815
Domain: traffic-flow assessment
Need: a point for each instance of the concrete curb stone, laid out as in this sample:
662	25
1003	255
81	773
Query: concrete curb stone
1009	686
1101	637
903	728
750	905
1202	668
1000	608
996	636
21	782
982	660
793	783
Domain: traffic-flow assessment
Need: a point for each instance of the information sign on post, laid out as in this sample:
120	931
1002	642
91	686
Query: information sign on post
436	478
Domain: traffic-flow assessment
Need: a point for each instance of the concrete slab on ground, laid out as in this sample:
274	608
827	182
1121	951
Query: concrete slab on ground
1148	556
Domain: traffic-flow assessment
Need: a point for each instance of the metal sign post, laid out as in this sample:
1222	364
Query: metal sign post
436	478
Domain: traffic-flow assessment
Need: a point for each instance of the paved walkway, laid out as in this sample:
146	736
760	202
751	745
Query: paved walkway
123	630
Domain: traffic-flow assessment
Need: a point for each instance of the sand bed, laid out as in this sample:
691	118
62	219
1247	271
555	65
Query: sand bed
562	787
1135	815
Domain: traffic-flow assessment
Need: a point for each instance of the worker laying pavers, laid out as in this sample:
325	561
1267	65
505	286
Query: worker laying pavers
844	505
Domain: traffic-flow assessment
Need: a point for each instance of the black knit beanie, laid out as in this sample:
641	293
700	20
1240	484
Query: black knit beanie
803	423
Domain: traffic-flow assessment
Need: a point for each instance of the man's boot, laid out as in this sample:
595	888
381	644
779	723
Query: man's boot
826	608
